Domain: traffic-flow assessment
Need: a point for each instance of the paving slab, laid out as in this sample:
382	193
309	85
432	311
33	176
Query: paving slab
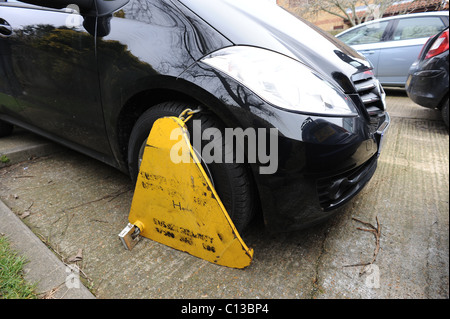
77	203
54	279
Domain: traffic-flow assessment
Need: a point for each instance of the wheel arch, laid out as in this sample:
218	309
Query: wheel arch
141	101
135	106
169	90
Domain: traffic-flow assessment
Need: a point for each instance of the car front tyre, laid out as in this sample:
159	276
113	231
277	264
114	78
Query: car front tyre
231	181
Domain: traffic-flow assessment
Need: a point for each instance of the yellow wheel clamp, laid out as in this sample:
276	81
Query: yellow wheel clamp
175	203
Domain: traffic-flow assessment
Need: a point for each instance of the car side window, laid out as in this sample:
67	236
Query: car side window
370	33
413	28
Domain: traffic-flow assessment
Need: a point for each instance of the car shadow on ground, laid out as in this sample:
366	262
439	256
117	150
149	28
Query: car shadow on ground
395	91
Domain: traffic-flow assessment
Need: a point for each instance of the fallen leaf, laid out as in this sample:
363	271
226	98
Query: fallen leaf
25	214
77	257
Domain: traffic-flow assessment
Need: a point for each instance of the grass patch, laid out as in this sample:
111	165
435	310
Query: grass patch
12	283
4	159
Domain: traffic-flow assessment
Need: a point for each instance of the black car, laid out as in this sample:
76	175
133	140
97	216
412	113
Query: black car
94	75
427	83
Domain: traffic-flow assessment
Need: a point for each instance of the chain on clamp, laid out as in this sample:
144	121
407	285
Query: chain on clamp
188	113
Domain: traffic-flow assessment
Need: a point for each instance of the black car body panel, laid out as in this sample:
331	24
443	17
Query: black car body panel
86	90
312	150
54	77
283	33
130	67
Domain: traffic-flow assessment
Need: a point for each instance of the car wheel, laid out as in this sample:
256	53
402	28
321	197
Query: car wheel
231	180
5	129
444	111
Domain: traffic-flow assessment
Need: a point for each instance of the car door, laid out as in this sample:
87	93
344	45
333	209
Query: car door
367	40
403	47
53	72
8	103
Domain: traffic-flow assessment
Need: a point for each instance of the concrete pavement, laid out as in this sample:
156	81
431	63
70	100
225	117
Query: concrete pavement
54	278
75	204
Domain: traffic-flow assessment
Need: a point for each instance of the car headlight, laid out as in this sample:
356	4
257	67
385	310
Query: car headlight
281	81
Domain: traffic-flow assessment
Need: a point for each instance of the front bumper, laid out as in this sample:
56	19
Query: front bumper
325	179
323	162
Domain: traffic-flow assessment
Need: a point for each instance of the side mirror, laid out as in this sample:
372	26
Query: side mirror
107	7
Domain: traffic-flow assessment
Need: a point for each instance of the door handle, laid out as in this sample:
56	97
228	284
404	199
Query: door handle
369	52
5	29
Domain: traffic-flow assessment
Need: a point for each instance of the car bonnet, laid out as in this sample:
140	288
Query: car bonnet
263	24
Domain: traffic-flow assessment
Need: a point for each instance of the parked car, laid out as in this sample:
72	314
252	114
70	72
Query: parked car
96	76
427	83
393	44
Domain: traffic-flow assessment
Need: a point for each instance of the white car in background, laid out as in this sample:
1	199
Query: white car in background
393	44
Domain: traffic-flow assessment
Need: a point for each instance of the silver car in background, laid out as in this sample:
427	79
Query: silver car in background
393	44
